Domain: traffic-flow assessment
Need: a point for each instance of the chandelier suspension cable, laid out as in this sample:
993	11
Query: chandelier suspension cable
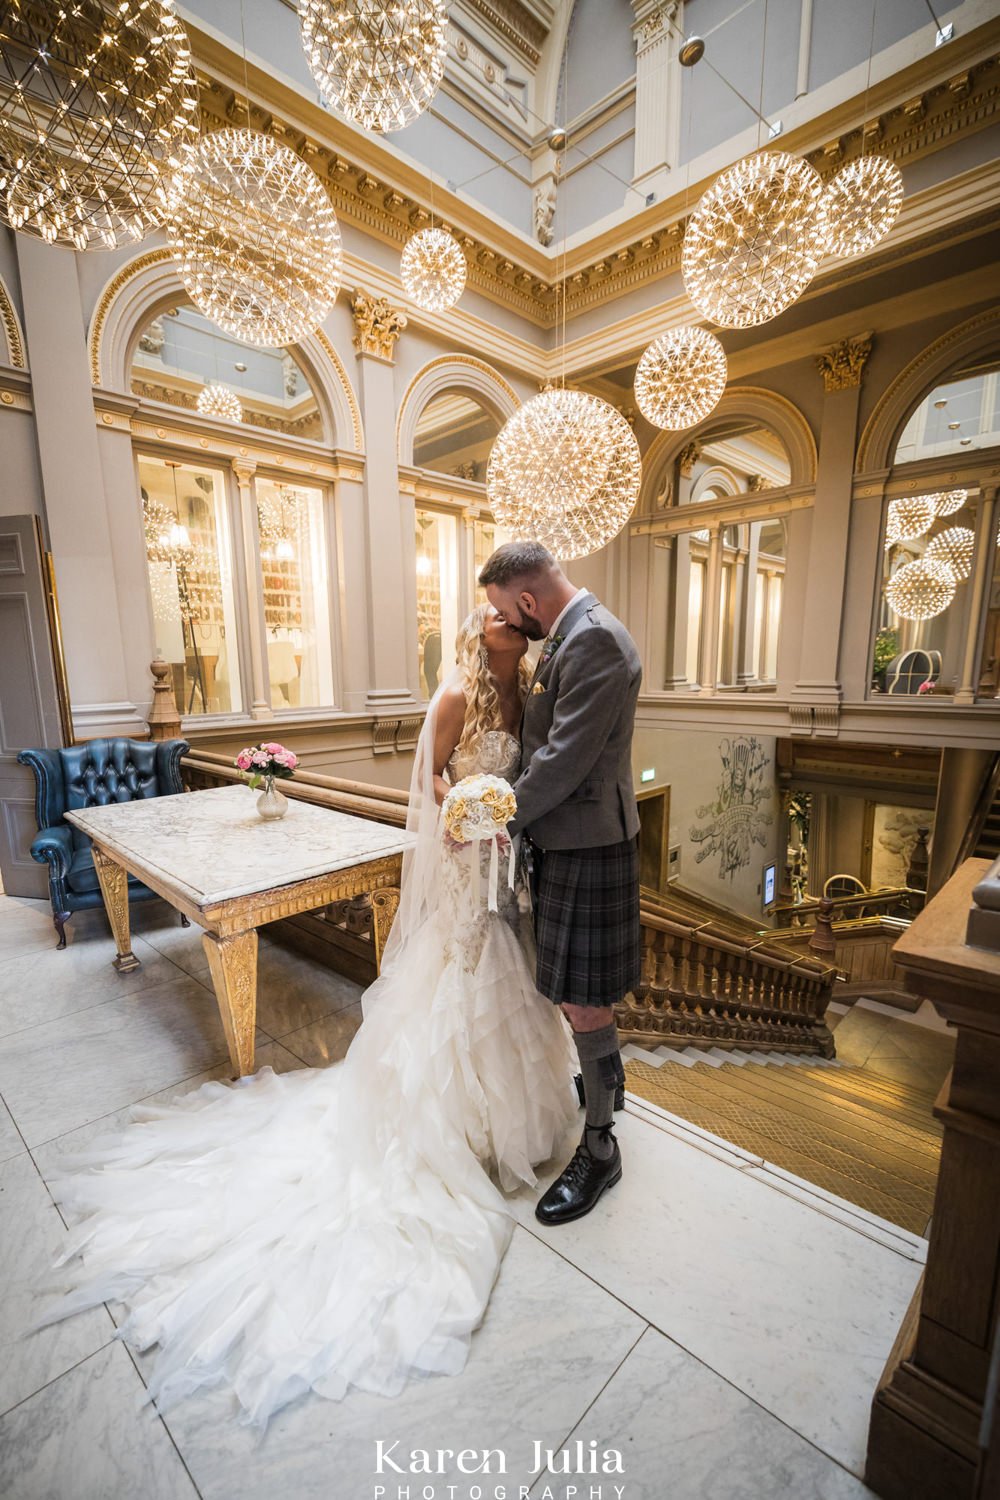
868	80
763	59
246	71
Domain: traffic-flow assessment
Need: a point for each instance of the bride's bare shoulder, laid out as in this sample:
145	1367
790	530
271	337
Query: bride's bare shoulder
451	708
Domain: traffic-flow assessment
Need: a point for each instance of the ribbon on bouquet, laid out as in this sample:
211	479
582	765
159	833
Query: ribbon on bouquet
493	883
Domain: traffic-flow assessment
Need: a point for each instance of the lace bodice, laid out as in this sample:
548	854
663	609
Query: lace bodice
497	753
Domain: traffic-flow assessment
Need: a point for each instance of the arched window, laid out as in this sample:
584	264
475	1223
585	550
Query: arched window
180	353
454	435
961	413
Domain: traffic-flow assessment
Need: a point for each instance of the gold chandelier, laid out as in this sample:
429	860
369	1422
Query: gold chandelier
863	203
565	471
255	237
380	64
953	548
909	518
94	98
752	245
219	400
920	590
433	269
680	378
947	502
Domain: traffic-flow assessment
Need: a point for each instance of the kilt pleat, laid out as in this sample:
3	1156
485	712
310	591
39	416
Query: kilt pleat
587	925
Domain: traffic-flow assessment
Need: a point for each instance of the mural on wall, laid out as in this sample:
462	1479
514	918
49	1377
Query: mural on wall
738	818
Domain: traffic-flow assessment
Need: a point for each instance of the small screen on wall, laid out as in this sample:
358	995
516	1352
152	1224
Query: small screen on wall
770	882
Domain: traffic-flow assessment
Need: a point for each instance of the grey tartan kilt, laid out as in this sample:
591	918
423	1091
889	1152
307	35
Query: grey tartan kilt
587	929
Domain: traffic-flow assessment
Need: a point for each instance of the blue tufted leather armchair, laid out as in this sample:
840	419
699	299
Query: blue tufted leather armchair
90	775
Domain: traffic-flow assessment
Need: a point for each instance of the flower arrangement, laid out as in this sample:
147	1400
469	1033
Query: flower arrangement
927	686
264	762
478	807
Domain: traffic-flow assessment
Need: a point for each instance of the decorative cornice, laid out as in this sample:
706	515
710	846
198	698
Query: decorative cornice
515	23
11	328
842	366
378	325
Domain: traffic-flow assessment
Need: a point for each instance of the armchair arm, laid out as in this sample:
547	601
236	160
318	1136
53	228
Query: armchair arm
168	765
54	847
50	794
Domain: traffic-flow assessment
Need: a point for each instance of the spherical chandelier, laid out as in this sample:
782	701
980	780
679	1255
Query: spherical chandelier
95	97
379	63
863	203
255	237
909	518
433	269
947	502
752	245
920	590
680	378
565	471
953	548
218	400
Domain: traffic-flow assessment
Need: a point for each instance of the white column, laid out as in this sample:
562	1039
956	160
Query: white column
259	694
354	600
657	95
978	584
710	614
747	668
73	485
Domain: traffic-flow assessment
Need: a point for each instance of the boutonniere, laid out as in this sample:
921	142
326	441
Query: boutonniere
539	687
550	648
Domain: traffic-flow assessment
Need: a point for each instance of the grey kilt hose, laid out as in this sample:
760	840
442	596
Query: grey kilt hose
587	928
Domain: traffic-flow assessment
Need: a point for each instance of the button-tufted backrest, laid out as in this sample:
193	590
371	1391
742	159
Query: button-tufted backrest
103	771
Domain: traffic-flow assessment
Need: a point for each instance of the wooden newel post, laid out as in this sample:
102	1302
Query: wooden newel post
924	1442
823	943
164	720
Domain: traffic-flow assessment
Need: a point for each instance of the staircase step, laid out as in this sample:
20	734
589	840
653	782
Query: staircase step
857	1084
859	1170
847	1124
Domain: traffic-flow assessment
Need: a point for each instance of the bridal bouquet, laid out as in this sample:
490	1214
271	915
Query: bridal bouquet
476	811
477	807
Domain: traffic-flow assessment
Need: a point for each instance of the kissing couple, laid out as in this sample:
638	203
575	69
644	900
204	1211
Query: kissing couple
339	1227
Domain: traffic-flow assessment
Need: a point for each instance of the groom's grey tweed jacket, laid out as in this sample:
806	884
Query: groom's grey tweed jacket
575	790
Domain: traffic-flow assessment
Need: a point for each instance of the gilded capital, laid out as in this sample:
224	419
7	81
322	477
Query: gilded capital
842	365
378	325
688	457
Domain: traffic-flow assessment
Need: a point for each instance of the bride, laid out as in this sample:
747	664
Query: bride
343	1227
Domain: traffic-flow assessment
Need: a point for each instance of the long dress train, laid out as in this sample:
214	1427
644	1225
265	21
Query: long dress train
338	1227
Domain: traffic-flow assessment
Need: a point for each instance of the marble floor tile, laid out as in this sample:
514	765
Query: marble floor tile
58	1075
294	990
11	1143
46	983
796	1309
686	1434
159	926
550	1340
24	928
31	1237
83	1438
48	1157
327	1040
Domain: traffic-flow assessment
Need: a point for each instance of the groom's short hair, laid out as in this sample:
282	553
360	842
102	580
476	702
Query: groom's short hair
514	561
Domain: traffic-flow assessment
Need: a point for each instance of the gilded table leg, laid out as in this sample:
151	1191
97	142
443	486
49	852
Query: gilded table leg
233	961
113	879
385	905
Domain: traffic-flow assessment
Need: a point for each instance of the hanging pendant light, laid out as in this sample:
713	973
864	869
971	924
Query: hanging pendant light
380	64
947	502
754	241
219	400
680	378
95	99
255	237
954	548
863	203
433	269
920	590
565	471
909	518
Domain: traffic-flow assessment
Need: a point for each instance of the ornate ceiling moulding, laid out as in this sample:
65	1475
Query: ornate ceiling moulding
516	23
612	264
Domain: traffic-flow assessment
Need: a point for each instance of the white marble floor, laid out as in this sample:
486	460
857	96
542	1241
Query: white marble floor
719	1322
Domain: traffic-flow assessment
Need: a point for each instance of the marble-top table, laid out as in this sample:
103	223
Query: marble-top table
223	867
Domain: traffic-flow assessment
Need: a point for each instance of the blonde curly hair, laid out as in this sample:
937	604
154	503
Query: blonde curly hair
482	702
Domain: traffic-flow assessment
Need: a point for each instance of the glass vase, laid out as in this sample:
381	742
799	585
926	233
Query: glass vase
271	803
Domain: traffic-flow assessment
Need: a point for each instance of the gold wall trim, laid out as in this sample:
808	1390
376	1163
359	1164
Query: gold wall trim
120	280
12	329
345	381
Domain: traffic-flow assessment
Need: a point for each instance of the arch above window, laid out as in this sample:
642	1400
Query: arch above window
459	378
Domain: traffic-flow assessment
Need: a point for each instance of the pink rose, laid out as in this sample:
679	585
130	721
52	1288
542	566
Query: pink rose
287	758
273	748
260	757
243	760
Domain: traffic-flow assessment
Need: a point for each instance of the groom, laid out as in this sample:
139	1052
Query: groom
576	806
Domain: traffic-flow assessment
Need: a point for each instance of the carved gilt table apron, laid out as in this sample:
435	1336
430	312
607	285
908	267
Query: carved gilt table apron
209	855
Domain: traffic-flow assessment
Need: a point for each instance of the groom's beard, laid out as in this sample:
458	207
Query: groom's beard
529	628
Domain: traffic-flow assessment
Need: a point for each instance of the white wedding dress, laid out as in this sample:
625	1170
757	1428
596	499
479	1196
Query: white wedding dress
339	1227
